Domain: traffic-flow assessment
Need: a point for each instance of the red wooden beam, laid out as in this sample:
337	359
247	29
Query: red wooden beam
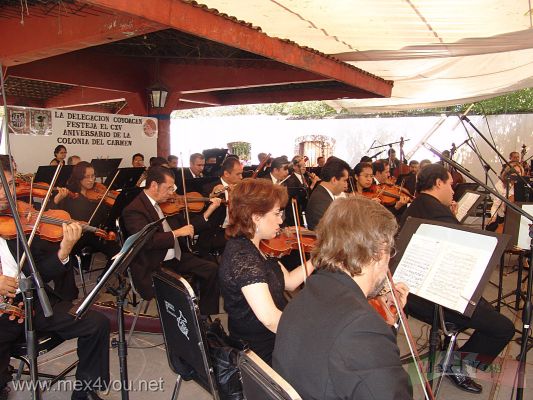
81	96
40	38
201	22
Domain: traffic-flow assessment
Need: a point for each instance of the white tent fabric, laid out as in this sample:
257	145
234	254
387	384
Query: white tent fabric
437	52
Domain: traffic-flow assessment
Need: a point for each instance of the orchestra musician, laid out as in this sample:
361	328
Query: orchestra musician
279	170
364	178
381	172
334	175
137	160
514	156
196	166
251	284
213	239
73	160
330	343
172	161
505	187
81	208
299	186
53	261
163	249
492	330
60	154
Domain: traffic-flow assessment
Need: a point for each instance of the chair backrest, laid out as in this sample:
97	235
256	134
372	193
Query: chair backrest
185	340
261	382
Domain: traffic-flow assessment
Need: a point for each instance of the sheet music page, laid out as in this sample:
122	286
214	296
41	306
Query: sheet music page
465	203
445	265
524	240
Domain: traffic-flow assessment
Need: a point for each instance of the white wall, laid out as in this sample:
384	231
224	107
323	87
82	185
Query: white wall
354	136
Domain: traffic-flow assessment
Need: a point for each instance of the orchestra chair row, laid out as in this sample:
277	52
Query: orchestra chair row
188	352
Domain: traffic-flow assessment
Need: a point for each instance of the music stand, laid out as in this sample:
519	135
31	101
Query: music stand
467	299
45	173
126	178
122	260
467	204
522	192
105	166
186	343
125	197
462	188
261	382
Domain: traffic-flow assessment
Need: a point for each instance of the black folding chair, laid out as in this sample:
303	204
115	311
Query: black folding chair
261	382
185	340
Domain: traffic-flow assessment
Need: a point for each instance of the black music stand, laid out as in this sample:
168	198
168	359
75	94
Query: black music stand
45	173
411	227
122	260
479	197
522	192
126	178
186	342
104	167
462	188
125	197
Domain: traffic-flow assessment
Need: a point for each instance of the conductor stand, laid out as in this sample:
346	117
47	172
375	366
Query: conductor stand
129	250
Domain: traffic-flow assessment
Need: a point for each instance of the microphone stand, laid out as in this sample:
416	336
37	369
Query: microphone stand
26	285
528	306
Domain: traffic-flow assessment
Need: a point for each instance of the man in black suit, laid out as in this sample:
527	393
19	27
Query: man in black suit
54	264
492	330
164	248
196	166
330	343
213	239
334	175
279	170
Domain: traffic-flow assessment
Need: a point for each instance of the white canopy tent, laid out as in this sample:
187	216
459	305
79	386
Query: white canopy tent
437	52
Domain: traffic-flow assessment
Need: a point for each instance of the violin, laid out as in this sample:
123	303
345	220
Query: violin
98	191
38	189
387	193
176	203
14	312
286	242
385	307
50	228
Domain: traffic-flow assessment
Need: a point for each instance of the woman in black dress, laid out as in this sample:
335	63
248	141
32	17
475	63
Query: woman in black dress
252	284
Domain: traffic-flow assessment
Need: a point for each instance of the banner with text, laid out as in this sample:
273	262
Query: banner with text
35	132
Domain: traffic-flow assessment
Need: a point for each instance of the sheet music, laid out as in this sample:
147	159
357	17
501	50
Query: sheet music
445	265
524	241
466	202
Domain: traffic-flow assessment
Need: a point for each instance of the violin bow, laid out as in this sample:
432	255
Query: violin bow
426	386
301	249
39	216
103	197
352	186
261	165
185	201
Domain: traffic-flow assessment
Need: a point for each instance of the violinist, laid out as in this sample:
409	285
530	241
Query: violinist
164	249
514	156
213	240
409	180
505	187
53	261
73	160
196	166
382	176
82	181
299	186
364	179
60	154
251	284
279	170
172	161
330	344
492	330
334	175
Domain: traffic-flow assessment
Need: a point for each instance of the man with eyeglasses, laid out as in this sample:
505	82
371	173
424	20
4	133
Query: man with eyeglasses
164	250
299	186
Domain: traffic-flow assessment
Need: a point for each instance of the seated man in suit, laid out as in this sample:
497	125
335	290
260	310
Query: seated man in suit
164	248
334	175
299	186
330	343
279	170
54	264
213	239
196	166
492	330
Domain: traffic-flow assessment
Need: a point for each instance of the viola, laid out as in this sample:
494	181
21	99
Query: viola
387	193
98	191
50	228
38	189
286	242
176	203
385	307
14	312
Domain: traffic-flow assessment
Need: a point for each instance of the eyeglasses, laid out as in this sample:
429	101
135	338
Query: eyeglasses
392	252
